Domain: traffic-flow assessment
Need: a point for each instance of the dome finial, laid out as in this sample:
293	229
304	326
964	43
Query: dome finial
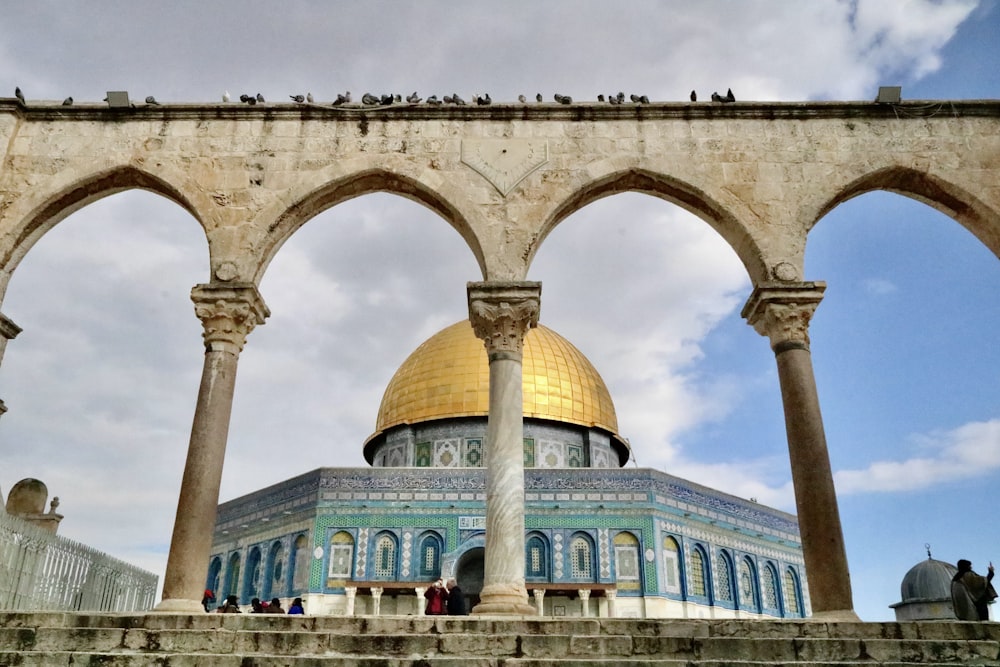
927	545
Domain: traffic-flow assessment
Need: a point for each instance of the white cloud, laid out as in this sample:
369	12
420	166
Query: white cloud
971	450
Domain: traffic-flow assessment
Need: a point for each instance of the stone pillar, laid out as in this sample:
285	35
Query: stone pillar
501	314
782	313
584	594
228	313
377	600
8	331
352	593
421	606
539	594
611	594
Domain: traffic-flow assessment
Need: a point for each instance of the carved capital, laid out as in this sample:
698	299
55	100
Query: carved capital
782	313
8	330
228	313
501	313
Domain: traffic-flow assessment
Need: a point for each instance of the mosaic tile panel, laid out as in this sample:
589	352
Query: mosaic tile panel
422	454
474	452
574	456
551	454
529	453
407	552
447	453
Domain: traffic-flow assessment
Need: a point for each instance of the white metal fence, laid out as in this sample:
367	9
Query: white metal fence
40	571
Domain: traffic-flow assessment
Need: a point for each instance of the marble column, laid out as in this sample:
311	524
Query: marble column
228	312
351	592
782	313
501	314
584	594
539	594
377	600
421	605
611	595
8	331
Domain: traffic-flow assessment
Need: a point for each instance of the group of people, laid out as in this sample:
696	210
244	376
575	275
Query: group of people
232	605
971	593
445	599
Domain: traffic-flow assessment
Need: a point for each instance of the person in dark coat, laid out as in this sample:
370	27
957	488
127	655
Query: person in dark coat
456	600
971	593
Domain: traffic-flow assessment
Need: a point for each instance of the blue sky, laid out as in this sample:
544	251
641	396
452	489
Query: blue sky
101	384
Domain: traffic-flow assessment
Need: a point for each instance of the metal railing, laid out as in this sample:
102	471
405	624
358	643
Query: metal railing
40	571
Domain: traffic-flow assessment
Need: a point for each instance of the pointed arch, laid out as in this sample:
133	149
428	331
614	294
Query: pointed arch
947	197
429	555
724	583
536	557
71	197
370	181
673	190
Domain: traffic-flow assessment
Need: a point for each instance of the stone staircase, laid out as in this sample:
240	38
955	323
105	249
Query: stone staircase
180	640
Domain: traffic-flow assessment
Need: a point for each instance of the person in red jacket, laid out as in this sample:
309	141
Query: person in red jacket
437	599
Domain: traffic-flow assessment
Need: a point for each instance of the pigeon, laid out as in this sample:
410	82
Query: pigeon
260	98
251	100
68	102
414	98
621	97
298	98
369	100
600	98
729	96
342	99
19	95
634	98
522	99
456	99
433	99
538	97
397	98
694	96
716	97
309	98
225	96
563	99
244	98
613	99
484	100
643	99
448	100
151	100
386	100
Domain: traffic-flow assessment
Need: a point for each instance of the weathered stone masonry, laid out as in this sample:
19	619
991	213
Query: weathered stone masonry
504	176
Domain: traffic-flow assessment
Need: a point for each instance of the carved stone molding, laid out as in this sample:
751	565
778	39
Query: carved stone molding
782	312
504	162
502	312
228	313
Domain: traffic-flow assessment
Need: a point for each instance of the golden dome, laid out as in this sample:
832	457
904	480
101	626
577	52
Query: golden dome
449	376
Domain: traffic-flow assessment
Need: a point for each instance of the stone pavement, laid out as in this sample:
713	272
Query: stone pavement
181	640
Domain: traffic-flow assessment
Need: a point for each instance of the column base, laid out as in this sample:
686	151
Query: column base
179	606
835	616
504	600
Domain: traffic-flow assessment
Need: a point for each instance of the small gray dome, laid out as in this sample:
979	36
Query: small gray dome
928	580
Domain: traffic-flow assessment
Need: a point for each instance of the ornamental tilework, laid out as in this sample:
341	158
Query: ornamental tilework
474	453
529	453
604	553
447	453
395	457
407	552
574	456
422	454
551	454
557	556
359	566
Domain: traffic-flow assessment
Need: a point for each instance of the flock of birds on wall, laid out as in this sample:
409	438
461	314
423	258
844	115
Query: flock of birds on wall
370	100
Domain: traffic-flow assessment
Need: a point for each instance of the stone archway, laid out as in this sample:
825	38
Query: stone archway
469	573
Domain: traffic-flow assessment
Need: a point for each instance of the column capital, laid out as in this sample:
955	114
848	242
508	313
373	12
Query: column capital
501	313
228	313
782	311
8	330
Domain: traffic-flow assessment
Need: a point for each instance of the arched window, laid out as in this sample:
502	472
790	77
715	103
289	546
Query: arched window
299	562
341	555
214	572
536	558
627	571
430	555
385	556
697	570
273	571
251	586
791	589
233	575
581	557
748	585
671	565
769	587
723	578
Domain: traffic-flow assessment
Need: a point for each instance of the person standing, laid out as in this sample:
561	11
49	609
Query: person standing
971	593
456	600
437	599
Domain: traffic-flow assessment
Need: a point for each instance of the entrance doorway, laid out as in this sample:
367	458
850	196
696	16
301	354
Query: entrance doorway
469	575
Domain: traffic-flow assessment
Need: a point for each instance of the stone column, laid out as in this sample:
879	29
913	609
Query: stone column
539	594
351	592
377	600
501	314
782	313
584	594
611	594
8	331
228	313
421	604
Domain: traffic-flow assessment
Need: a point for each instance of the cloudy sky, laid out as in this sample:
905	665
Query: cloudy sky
101	384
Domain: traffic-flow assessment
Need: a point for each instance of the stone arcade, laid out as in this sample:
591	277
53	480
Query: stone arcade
504	176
